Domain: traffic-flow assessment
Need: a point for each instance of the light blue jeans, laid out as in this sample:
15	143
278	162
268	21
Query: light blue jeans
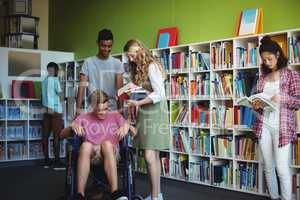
275	156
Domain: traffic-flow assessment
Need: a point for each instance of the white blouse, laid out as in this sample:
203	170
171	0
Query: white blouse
157	83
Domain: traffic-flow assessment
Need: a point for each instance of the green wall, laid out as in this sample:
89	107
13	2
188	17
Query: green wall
74	24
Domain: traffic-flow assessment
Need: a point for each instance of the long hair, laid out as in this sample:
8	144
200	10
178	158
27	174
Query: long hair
139	69
268	45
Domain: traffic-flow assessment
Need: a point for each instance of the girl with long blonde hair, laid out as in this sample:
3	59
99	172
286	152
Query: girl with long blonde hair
152	118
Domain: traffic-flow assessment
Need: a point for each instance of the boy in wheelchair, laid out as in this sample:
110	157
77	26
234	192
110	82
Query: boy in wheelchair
101	131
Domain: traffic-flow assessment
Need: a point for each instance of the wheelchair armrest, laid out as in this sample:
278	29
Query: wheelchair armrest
75	141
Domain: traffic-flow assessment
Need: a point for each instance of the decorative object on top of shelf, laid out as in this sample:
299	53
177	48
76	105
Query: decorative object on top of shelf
20	7
250	22
167	37
25	89
20	28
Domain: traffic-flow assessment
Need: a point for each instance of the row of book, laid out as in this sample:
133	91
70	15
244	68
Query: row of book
179	60
17	112
165	165
140	164
244	117
246	57
36	108
245	83
200	85
200	114
199	171
164	59
222	146
16	151
179	86
222	173
180	167
296	152
35	131
294	49
16	132
67	72
221	55
62	149
200	61
180	140
222	117
296	185
247	176
200	142
222	85
2	132
179	113
36	150
246	148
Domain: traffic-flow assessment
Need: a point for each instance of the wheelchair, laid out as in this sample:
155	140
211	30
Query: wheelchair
97	174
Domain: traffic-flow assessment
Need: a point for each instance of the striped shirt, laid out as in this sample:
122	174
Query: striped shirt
289	101
50	93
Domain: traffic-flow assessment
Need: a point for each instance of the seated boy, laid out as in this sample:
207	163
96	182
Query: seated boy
101	131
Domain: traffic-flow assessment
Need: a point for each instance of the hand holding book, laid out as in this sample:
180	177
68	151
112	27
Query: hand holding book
260	100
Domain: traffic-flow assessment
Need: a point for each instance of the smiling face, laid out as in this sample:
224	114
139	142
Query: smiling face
132	53
105	47
101	110
270	60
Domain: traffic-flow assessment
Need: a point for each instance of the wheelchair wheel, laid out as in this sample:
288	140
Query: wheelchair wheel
137	197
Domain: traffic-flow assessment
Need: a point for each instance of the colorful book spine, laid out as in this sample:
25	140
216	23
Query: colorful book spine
246	148
199	171
222	146
247	176
222	117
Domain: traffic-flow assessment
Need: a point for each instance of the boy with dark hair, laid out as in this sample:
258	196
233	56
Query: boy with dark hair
102	72
52	117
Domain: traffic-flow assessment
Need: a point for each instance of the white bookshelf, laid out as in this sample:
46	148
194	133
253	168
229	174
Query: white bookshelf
21	119
234	131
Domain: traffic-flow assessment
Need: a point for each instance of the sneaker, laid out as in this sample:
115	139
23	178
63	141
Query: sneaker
59	166
79	196
160	197
118	195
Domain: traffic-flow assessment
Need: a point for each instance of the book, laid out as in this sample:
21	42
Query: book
132	91
268	104
249	22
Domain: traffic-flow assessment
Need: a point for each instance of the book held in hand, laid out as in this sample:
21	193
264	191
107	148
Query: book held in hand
132	91
268	104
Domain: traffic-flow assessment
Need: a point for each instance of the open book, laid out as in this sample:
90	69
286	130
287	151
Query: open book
132	91
268	104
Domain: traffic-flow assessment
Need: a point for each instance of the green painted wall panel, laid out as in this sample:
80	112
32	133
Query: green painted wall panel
74	24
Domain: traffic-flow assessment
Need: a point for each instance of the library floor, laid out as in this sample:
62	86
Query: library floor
37	183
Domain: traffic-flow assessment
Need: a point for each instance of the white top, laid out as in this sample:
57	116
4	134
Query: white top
157	83
271	89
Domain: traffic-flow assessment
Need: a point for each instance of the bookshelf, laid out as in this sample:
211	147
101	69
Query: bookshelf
21	118
21	130
211	137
